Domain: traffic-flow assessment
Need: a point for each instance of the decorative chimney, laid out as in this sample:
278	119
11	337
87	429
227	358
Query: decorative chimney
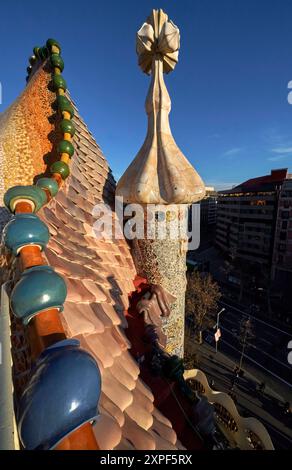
161	175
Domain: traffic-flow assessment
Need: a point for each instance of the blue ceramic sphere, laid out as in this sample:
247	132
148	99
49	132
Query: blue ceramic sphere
23	230
62	395
38	289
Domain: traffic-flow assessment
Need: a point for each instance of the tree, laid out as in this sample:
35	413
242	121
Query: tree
191	359
202	296
245	336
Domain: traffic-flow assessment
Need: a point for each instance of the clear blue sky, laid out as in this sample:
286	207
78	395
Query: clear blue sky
230	114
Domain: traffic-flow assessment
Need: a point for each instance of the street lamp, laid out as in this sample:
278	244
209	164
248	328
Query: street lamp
217	325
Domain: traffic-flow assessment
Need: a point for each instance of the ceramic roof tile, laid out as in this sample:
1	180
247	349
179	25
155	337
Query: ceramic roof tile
77	292
81	319
120	337
77	212
62	199
66	233
69	268
162	444
69	219
125	445
141	439
115	391
118	312
51	219
83	256
179	445
95	345
164	431
128	362
100	294
123	376
79	200
161	418
100	313
113	410
107	314
145	390
107	432
113	343
143	400
140	415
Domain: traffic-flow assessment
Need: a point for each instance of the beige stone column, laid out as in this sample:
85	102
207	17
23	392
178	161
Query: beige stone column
162	260
161	175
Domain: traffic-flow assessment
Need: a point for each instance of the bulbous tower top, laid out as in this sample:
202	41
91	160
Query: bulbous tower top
160	173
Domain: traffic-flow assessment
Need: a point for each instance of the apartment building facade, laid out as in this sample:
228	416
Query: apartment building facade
209	207
282	254
247	219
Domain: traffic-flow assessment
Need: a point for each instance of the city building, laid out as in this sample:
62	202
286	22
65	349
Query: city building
247	218
198	259
282	255
209	208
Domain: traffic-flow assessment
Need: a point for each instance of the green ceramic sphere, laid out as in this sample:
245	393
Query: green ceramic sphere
64	105
36	51
52	42
31	193
67	126
49	184
59	82
61	168
43	53
66	147
57	61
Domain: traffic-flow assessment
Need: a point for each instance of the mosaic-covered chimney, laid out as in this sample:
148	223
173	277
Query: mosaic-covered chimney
161	180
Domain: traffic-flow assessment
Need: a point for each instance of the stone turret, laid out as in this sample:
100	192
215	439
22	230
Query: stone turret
161	175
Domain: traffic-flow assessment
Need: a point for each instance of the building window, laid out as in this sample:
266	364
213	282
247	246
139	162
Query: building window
283	235
285	225
285	214
287	194
259	202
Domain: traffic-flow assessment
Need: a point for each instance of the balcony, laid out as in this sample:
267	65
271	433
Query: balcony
243	433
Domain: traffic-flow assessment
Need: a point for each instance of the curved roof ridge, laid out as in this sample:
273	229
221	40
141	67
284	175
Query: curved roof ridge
99	273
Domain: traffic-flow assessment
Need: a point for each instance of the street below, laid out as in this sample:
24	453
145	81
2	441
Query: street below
264	388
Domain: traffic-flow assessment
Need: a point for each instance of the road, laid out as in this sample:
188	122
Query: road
269	350
265	360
